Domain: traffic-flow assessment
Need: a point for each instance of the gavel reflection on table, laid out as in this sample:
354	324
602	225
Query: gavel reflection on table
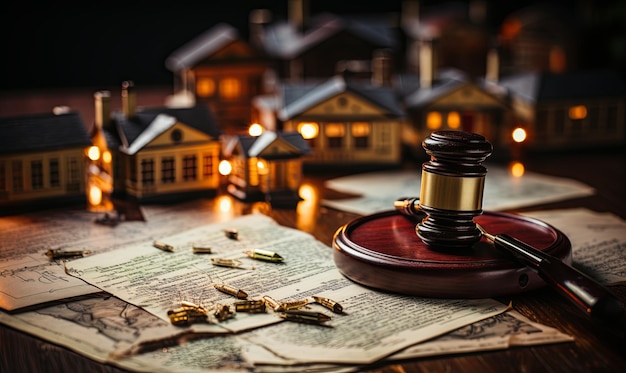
444	245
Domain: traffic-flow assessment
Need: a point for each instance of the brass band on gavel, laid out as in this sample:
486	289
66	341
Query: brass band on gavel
452	186
437	191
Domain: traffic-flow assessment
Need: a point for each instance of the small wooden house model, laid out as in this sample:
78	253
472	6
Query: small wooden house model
158	153
42	158
569	110
220	69
267	167
345	122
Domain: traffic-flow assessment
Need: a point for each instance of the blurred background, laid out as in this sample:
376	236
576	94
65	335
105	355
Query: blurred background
99	45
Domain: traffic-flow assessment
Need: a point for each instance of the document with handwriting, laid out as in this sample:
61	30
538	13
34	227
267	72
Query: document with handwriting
102	326
28	277
374	324
378	190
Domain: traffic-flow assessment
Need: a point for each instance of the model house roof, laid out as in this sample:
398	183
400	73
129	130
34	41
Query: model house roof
150	122
284	40
42	132
536	87
297	98
203	45
269	145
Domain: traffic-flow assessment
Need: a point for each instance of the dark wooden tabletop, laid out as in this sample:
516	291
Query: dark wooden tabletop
596	348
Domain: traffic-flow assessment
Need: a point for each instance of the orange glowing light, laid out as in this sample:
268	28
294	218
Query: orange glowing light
517	169
93	153
519	135
308	130
95	195
255	130
106	156
225	168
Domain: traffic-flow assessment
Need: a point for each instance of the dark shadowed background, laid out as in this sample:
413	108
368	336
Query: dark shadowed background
100	45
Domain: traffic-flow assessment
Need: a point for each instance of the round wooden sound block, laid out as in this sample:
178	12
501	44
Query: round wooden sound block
383	251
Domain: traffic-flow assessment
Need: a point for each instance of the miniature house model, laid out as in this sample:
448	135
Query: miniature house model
41	158
158	153
344	122
569	110
219	69
266	167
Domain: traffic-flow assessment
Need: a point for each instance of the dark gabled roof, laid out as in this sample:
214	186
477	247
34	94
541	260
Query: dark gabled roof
409	84
297	98
253	146
283	40
537	87
127	130
202	46
199	117
42	132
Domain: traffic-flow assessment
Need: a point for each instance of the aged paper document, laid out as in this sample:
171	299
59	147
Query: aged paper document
378	190
373	326
598	241
28	277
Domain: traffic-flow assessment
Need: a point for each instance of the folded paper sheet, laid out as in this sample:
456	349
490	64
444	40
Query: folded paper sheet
378	190
374	325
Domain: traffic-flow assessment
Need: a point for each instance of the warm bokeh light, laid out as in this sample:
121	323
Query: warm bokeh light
307	208
519	134
517	169
255	130
262	167
106	156
93	153
578	112
225	168
95	195
433	120
308	130
224	204
454	120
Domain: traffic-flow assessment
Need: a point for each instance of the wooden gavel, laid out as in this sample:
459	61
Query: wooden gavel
451	196
452	190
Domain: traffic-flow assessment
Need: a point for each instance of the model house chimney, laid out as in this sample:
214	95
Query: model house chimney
129	99
427	64
381	67
258	20
410	13
298	13
493	66
102	109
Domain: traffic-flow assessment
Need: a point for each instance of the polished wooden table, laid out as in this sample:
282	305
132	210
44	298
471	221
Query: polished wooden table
596	348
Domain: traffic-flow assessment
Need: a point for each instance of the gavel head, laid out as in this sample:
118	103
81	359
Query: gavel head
452	189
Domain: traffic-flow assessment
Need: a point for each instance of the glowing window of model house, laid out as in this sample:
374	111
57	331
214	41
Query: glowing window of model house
36	174
167	170
207	164
454	120
254	172
230	88
334	133
147	171
55	178
308	130
433	120
578	112
189	167
205	87
360	133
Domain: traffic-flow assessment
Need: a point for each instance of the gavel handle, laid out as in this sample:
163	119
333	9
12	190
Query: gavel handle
593	299
409	206
588	295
